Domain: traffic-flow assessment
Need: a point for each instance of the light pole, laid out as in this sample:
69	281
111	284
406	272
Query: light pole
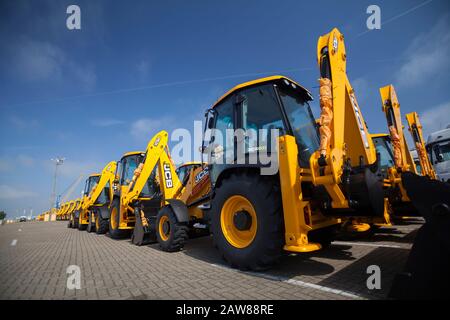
58	162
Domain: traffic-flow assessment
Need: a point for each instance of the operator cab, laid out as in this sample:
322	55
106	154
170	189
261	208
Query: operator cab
184	170
91	182
383	145
258	107
125	171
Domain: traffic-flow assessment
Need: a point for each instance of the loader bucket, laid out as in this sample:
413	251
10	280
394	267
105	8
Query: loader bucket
426	274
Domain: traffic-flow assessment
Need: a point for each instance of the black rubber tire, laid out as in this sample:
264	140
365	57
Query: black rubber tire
75	221
178	231
101	224
263	192
90	227
116	233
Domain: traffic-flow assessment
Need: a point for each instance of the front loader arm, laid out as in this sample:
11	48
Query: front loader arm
415	128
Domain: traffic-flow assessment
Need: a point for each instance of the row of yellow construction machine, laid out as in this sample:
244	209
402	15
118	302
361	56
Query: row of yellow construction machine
331	172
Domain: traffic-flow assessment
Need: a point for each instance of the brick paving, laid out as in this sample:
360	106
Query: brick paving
35	267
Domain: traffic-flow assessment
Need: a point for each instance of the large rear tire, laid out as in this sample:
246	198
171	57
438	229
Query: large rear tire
170	234
75	220
114	219
101	224
247	221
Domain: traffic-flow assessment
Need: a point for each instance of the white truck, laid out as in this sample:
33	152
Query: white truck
438	148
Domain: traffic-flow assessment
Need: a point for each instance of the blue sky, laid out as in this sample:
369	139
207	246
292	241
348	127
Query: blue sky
136	67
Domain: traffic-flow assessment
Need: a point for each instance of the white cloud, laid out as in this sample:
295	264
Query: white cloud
427	56
146	128
9	192
36	61
5	165
22	124
143	69
106	122
25	160
72	169
436	118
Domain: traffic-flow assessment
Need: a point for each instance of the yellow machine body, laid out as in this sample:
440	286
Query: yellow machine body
415	128
89	200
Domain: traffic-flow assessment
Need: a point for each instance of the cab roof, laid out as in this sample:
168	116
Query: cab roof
259	81
132	153
190	163
94	175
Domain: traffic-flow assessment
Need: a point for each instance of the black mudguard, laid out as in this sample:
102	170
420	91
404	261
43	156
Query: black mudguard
180	209
104	212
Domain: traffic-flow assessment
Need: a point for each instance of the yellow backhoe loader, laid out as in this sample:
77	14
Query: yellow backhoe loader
396	158
152	202
415	128
62	211
324	174
80	216
69	212
97	193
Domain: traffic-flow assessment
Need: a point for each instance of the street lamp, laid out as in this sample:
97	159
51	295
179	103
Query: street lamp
58	162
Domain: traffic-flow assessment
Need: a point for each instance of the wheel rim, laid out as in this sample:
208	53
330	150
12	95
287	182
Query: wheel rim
113	218
164	228
239	235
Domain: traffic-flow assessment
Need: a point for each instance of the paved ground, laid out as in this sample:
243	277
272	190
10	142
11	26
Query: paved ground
34	257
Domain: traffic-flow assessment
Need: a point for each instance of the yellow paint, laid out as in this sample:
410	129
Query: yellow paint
164	221
238	238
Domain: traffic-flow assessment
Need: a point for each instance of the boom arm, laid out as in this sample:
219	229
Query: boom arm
341	121
391	108
157	153
347	123
108	175
415	128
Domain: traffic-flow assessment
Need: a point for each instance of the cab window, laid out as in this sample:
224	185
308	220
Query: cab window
223	122
129	165
260	111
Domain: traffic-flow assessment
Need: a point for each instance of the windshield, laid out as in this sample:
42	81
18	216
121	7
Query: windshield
90	183
130	164
384	148
440	152
302	123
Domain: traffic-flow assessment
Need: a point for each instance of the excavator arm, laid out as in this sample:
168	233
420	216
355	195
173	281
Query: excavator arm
391	108
415	128
156	154
347	153
107	175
